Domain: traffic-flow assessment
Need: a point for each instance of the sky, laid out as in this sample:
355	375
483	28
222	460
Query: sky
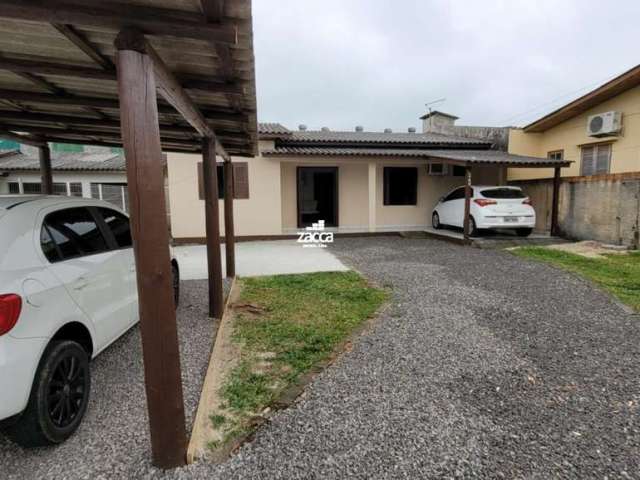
375	63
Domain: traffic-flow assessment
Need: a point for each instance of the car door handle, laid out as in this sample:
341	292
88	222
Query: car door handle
81	283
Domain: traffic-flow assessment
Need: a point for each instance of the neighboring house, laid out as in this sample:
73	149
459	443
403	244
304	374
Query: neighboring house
355	181
89	174
600	133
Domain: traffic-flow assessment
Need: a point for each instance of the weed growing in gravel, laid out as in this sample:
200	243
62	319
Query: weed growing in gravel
285	325
618	274
217	420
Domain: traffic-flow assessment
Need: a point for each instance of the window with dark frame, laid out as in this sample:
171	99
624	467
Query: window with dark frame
595	159
556	155
400	185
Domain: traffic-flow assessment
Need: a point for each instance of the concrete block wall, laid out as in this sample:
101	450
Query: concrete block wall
603	207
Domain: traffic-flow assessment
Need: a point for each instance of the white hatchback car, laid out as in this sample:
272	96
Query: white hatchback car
491	207
67	291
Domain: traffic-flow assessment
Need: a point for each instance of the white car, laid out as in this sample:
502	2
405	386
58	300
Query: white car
67	291
491	207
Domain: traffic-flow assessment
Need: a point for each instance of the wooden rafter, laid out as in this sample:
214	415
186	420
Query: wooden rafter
99	102
168	86
31	118
149	20
83	44
42	66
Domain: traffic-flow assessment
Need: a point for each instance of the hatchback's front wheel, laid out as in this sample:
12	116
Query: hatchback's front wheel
59	397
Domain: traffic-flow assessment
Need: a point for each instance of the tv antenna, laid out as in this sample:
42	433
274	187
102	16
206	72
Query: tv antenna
429	104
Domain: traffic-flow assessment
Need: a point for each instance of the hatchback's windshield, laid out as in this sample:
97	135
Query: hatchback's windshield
503	193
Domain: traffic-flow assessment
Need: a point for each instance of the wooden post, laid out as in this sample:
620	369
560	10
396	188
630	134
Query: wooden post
212	221
229	232
45	170
141	139
555	201
467	201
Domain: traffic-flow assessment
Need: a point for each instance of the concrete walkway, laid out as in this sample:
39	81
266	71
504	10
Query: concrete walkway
260	258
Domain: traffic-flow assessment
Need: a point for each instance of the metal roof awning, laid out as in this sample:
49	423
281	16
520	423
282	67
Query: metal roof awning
453	156
58	77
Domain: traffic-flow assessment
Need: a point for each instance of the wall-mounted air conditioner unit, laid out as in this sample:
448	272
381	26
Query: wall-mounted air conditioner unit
437	169
604	124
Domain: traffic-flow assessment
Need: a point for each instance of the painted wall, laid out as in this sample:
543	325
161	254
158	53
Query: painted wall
353	193
272	205
353	175
260	214
569	135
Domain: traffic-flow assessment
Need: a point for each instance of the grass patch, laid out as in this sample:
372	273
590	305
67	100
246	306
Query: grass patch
217	420
285	325
619	274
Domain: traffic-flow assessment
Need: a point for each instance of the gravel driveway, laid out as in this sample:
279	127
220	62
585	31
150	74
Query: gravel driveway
484	366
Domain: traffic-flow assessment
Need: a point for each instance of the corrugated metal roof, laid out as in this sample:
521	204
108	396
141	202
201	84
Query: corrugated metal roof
267	128
94	162
380	138
463	156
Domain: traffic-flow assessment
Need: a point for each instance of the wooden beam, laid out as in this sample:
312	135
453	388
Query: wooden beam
153	21
145	176
229	231
34	117
168	86
212	223
179	138
555	201
83	44
166	147
25	139
41	66
467	202
45	169
99	102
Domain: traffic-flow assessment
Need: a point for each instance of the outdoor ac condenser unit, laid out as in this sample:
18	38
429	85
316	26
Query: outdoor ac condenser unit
604	124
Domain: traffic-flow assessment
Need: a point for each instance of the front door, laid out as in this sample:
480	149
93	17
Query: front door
317	196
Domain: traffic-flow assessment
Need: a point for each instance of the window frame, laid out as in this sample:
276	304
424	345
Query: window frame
107	236
107	233
553	154
386	179
596	148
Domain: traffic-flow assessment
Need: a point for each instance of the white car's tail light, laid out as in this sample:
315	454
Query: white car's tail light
10	307
483	202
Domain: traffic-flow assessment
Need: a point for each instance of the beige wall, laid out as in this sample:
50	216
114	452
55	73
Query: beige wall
353	179
353	193
569	135
260	214
272	205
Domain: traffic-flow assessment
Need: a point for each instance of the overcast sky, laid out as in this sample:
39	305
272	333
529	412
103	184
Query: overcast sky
341	63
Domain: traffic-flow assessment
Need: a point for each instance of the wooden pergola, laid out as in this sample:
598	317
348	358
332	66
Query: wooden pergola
88	72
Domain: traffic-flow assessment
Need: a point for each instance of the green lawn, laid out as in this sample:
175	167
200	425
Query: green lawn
284	326
617	273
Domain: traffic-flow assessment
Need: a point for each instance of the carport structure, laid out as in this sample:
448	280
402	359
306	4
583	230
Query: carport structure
88	72
470	158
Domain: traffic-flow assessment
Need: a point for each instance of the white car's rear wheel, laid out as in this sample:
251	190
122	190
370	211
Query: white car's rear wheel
59	397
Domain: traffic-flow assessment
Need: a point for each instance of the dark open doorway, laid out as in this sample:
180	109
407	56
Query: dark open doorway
317	195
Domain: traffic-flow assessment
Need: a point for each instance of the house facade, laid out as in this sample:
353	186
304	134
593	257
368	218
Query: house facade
90	174
599	133
570	132
356	181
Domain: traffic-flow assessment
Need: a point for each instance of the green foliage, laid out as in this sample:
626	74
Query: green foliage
617	273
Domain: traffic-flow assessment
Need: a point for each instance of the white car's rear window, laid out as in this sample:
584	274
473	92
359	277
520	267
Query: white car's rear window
499	193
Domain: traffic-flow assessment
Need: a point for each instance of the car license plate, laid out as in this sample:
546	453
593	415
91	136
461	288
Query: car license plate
510	219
